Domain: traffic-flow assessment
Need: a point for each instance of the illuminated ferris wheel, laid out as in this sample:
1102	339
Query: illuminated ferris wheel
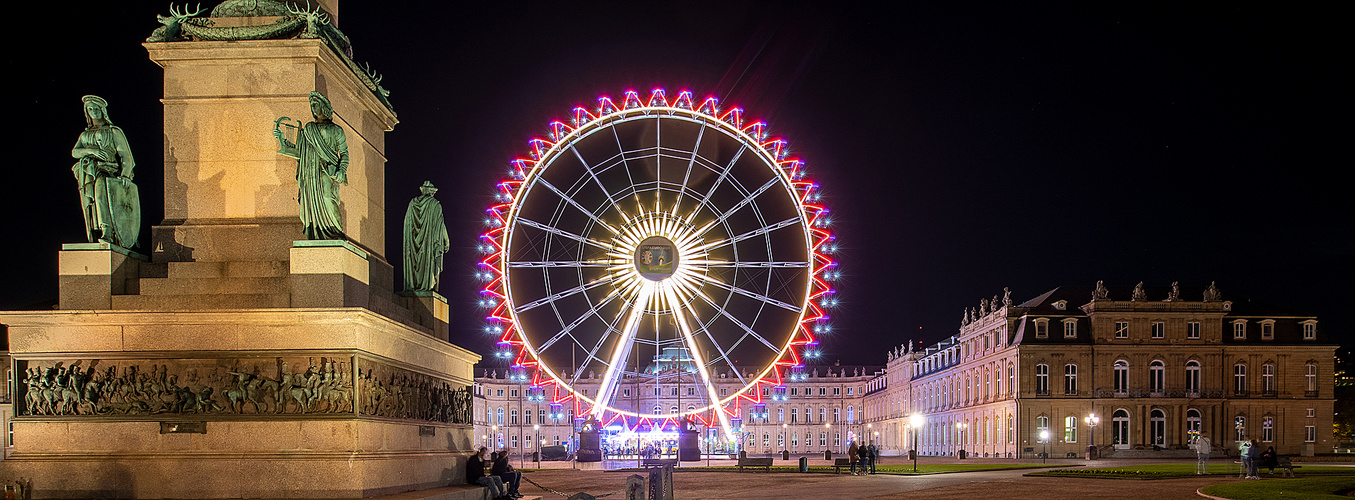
654	226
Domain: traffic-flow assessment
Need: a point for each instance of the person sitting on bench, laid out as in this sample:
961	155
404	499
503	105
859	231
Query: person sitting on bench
476	474
511	478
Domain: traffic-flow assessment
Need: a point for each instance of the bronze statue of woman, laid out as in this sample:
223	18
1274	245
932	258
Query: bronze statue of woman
322	164
109	200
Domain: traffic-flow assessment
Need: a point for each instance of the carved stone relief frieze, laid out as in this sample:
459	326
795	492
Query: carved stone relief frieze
392	392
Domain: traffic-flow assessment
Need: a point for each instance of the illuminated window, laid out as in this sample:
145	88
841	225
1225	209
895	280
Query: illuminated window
1310	377
1070	429
1121	329
1070	379
1240	428
1268	429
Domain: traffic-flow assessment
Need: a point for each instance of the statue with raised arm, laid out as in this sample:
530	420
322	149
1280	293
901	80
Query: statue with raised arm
425	240
321	153
109	200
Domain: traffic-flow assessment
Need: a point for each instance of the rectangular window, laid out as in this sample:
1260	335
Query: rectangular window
513	393
1240	330
674	391
1041	329
1312	412
515	441
1309	331
1240	379
1070	329
691	391
1310	379
1193	330
1159	330
1070	379
1268	331
823	391
1310	433
1121	329
794	415
657	391
499	393
724	391
823	439
837	391
625	392
514	419
794	391
1042	379
527	417
1268	429
849	390
1070	429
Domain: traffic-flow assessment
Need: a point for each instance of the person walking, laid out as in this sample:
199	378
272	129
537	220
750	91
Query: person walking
1202	448
1253	459
1242	449
853	456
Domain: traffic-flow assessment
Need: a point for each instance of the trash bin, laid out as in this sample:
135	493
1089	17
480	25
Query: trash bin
804	464
536	456
1091	452
743	454
961	454
827	454
785	455
912	454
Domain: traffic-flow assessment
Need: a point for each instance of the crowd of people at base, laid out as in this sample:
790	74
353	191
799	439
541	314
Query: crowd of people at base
499	477
1253	459
863	456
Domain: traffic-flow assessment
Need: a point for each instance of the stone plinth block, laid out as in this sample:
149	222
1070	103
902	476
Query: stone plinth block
329	273
221	162
90	274
432	311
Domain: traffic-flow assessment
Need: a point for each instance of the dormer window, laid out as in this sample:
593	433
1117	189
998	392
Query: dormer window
1267	329
1310	329
1042	328
1227	305
1240	329
1070	328
1061	305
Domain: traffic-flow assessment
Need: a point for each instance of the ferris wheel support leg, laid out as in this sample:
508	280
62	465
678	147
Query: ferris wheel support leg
623	345
700	362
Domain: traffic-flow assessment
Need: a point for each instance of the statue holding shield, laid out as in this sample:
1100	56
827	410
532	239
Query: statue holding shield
109	200
321	153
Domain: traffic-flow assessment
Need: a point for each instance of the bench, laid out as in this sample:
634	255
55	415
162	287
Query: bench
839	463
1286	466
765	463
658	462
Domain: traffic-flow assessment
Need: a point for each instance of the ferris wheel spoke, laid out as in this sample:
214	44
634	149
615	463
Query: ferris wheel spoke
559	263
560	232
623	345
751	294
562	294
592	309
691	163
602	339
750	234
575	204
789	264
744	202
723	175
589	168
746	329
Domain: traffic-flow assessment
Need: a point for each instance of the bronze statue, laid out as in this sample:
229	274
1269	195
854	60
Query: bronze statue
322	165
109	200
425	240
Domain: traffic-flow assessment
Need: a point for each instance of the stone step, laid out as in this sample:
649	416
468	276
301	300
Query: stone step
448	493
202	301
213	286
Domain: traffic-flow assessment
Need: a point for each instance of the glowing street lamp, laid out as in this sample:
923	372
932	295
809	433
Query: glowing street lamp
961	426
1044	438
1091	421
916	420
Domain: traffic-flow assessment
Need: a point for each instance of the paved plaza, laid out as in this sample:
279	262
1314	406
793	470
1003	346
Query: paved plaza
966	485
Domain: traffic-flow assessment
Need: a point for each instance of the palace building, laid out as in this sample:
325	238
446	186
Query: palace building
1155	367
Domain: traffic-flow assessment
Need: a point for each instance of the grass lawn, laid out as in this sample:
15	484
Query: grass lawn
1182	469
1305	488
879	469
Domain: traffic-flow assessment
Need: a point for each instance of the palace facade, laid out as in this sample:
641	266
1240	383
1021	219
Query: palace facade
1155	366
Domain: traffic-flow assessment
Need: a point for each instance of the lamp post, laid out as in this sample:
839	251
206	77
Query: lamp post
961	426
1091	421
536	436
916	420
1044	438
828	427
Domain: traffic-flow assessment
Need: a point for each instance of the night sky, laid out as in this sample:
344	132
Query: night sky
963	148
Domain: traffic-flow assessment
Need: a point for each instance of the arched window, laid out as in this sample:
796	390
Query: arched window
851	414
1192	425
780	415
1011	378
1157	427
499	412
1121	378
966	390
987	383
1240	379
1157	377
1070	429
794	415
1268	428
1240	428
1193	379
1119	429
658	410
1011	429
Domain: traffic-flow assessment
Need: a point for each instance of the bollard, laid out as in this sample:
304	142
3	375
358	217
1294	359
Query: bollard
635	487
827	454
804	464
661	483
743	454
785	455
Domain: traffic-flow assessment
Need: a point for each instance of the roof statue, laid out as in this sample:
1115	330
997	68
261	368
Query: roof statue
983	307
1100	293
321	153
1212	293
1139	294
182	25
109	200
964	320
1175	294
1006	297
425	240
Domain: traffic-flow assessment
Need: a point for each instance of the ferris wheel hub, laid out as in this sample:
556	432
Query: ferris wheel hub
656	258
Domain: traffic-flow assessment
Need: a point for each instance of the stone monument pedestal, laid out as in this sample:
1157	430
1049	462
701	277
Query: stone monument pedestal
90	274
